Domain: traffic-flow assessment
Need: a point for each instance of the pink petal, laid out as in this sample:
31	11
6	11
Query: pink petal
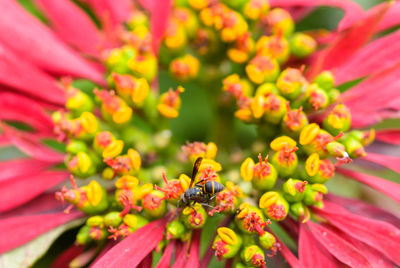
389	188
18	230
133	249
338	247
360	97
181	256
63	260
193	260
374	57
19	108
44	203
29	144
288	255
353	12
147	262
118	13
374	257
45	50
380	235
159	11
348	43
311	254
364	209
391	162
391	136
28	187
26	78
4	141
392	17
21	166
73	25
167	255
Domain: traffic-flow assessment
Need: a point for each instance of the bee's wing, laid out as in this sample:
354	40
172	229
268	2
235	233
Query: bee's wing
196	167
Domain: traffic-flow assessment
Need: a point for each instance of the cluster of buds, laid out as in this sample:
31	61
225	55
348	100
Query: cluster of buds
119	136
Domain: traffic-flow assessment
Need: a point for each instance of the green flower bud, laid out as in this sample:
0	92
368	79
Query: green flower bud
262	68
275	108
274	206
253	256
154	204
266	89
294	121
298	209
250	219
76	146
267	240
227	243
302	45
188	19
175	229
95	221
325	172
316	98
194	217
81	165
325	80
264	175
280	21
83	235
294	190
314	194
112	219
96	199
338	120
138	18
135	222
285	162
354	147
290	83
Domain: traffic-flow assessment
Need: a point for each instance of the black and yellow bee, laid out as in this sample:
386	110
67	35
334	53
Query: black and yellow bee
200	193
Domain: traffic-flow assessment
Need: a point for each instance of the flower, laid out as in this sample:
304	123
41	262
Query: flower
84	100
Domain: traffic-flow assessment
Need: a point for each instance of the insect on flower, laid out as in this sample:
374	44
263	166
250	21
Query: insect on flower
200	193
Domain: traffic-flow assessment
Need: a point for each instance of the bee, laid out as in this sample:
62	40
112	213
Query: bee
200	193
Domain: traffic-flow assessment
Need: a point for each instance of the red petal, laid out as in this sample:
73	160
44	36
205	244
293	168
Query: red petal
167	255
338	247
389	188
28	187
63	260
26	78
45	50
108	8
348	43
376	56
4	141
365	98
18	108
21	166
391	136
364	209
379	235
193	260
311	254
72	25
392	17
181	256
159	11
391	162
374	257
133	249
21	229
288	255
44	203
353	12
147	262
29	144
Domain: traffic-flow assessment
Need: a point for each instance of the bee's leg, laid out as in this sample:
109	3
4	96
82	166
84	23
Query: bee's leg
207	205
212	197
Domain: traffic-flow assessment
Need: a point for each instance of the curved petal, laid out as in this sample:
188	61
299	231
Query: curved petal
26	78
133	249
19	108
347	43
364	209
45	50
338	247
18	230
353	12
391	136
108	8
30	145
389	188
288	255
193	260
21	166
311	254
374	57
379	235
28	187
391	162
392	17
72	25
167	255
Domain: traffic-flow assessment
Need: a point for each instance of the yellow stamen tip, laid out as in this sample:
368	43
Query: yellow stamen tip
308	134
247	169
227	235
94	193
282	142
113	149
312	164
268	199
